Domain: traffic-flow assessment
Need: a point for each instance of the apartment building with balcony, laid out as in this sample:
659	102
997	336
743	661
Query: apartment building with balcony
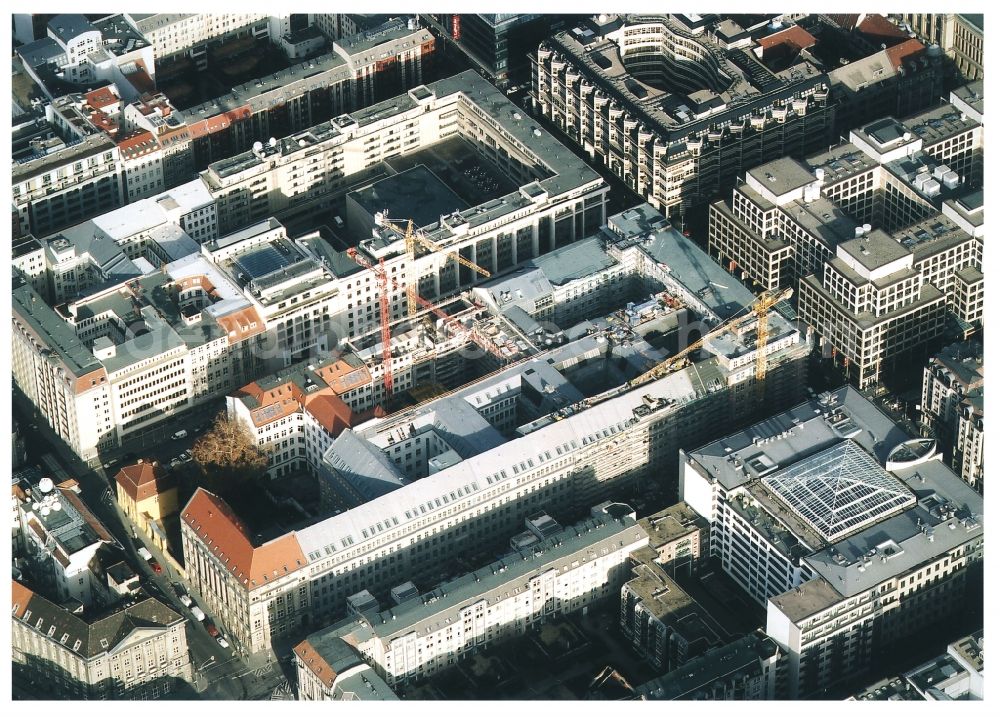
360	70
68	183
173	34
749	668
559	199
661	622
670	110
554	571
951	408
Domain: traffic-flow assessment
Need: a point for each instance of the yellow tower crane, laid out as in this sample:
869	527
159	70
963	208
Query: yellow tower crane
761	306
765	302
412	237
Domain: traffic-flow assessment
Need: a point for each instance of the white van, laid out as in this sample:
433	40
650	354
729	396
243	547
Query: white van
338	222
144	554
180	434
198	613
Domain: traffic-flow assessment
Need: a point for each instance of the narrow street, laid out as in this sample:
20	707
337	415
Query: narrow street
218	673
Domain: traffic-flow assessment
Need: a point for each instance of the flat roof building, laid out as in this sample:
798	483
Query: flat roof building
497	234
60	537
415	194
98	348
361	70
745	669
396	478
492	603
639	104
845	512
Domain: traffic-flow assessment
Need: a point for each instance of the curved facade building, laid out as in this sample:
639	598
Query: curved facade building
659	53
671	110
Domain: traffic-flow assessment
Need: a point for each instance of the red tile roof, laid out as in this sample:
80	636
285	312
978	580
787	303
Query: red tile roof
879	30
101	98
315	662
20	596
138	144
905	51
144	480
794	36
330	411
343	377
242	324
90	380
845	20
263	415
219	122
104	122
225	536
140	79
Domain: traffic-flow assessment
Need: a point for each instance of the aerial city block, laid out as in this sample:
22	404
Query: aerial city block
497	356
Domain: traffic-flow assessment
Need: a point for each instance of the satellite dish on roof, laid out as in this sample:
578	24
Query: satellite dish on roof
602	18
273	142
45	510
45	485
258	146
35	506
57	506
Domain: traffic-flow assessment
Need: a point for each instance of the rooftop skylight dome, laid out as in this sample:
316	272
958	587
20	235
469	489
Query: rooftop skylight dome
840	490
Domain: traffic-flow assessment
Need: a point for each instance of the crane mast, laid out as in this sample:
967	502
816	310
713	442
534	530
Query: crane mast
382	280
412	237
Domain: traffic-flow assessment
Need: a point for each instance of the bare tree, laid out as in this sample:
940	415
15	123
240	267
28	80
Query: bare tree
228	456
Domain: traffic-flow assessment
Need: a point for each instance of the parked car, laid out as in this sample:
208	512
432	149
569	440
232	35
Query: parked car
144	554
186	457
212	629
180	434
111	464
198	613
223	642
155	566
186	601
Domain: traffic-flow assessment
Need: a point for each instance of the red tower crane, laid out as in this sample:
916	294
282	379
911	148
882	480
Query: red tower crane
413	296
382	280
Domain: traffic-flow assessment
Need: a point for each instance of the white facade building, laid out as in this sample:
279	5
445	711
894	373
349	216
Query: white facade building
60	537
142	161
847	556
556	572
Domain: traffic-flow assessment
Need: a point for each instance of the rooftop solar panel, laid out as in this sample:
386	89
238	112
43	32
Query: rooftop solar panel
262	262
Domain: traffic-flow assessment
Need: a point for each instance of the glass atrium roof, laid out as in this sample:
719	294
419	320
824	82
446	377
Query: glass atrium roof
840	490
